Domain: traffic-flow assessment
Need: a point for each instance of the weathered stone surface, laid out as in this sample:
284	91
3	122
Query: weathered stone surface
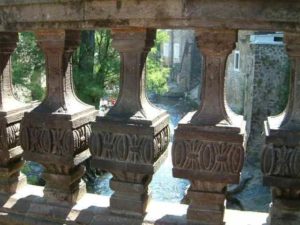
207	152
280	156
11	112
56	133
130	141
215	46
268	97
208	149
208	145
28	207
85	14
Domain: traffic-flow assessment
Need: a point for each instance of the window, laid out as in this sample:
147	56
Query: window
166	49
237	60
278	39
176	56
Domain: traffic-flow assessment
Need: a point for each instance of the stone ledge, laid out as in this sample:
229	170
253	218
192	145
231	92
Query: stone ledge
89	14
28	207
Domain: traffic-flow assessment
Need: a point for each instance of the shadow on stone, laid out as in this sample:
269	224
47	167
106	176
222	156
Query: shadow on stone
102	216
171	219
34	210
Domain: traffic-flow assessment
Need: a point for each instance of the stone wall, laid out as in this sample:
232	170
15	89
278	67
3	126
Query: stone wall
186	71
268	95
257	90
260	88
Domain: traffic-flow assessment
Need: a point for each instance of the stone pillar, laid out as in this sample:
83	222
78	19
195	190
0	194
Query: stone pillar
281	155
11	113
131	139
208	147
56	133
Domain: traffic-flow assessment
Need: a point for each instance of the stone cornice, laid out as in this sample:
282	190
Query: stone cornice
88	14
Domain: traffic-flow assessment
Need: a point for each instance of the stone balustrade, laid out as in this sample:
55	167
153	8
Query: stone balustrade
208	146
11	113
56	133
131	140
280	158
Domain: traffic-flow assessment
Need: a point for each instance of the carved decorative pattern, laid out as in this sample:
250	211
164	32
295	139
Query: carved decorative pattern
129	148
208	156
161	142
281	161
9	136
55	141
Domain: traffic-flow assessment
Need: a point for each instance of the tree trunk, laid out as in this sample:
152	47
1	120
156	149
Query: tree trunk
87	50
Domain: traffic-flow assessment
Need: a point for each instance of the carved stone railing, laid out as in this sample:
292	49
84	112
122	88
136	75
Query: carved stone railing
281	155
11	113
130	141
56	133
208	146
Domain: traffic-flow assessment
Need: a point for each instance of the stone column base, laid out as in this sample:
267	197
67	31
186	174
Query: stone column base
70	196
61	146
11	178
129	198
285	212
206	208
210	157
132	151
64	188
12	184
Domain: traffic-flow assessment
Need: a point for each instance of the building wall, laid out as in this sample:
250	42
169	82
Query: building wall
259	89
236	81
269	81
181	53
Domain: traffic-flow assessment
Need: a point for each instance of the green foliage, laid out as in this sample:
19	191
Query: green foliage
157	77
91	86
28	65
90	83
157	74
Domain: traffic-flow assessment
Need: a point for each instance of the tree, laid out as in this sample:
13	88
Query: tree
28	65
157	74
90	84
87	51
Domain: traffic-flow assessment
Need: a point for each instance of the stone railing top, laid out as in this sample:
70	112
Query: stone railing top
24	15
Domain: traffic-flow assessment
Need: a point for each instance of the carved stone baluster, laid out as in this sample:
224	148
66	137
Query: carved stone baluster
11	113
281	155
208	148
56	133
131	139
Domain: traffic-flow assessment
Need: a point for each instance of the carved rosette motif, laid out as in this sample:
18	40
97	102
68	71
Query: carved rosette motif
217	157
128	147
55	141
281	161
